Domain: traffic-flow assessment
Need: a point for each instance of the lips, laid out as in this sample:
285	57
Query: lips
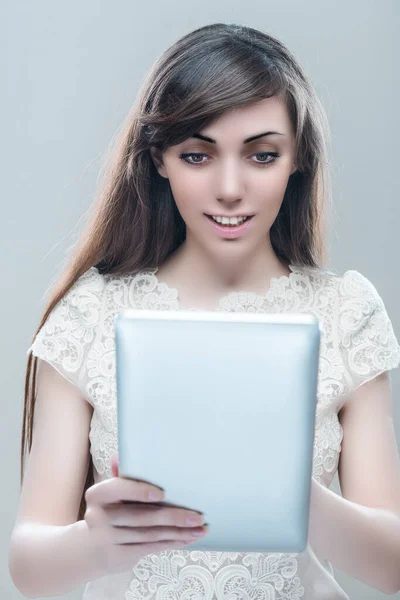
231	216
230	231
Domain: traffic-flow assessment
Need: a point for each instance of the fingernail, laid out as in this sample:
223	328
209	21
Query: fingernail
156	496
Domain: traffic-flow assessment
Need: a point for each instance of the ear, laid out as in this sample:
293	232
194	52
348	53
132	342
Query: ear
156	155
294	169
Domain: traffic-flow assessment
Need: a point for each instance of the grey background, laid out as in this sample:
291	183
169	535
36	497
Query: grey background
72	71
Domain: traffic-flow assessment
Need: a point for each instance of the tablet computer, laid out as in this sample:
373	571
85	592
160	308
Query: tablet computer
219	410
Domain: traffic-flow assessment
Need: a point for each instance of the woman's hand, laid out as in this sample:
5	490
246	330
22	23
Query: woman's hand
125	526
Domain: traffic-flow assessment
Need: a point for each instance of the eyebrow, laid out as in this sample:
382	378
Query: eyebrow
246	141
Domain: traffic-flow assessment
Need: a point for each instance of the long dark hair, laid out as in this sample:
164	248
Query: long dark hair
134	222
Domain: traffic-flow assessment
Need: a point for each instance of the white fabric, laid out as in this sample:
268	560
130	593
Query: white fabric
357	343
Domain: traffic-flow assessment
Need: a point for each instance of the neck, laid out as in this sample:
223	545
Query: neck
193	268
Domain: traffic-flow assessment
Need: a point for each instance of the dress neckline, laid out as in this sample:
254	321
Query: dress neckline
274	284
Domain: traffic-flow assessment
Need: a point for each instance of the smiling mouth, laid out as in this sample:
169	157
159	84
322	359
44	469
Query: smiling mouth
232	226
231	217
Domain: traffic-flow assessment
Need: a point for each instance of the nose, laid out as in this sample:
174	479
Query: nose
230	185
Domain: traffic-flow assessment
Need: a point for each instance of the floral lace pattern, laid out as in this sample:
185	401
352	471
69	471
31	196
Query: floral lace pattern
357	343
70	329
171	575
367	341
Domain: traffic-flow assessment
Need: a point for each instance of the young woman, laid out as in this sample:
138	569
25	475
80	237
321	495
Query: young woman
215	198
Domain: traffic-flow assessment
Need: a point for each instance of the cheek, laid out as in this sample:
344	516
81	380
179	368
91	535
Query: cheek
270	189
189	196
186	185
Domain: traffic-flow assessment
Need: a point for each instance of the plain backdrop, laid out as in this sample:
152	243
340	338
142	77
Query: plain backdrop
72	71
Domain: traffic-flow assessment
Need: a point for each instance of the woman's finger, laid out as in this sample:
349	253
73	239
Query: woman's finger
114	464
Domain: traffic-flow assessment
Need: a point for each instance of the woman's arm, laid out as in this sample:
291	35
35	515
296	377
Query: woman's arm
363	542
49	550
360	532
51	560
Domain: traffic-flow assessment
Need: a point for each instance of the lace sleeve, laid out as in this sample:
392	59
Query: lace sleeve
366	338
67	335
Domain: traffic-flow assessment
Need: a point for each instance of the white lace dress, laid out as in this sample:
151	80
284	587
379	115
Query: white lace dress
357	343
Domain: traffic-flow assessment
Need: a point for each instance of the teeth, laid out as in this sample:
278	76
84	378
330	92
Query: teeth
231	221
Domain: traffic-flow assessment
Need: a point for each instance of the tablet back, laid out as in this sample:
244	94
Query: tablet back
219	410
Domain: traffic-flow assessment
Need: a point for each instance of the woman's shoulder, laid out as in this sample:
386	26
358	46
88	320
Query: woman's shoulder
90	279
79	305
83	299
355	287
314	279
348	291
350	281
66	336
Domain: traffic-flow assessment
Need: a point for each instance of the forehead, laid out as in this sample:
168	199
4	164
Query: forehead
269	114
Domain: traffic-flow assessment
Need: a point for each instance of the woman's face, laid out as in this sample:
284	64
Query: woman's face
228	175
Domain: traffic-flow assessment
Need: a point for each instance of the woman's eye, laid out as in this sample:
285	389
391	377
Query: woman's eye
271	155
186	156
